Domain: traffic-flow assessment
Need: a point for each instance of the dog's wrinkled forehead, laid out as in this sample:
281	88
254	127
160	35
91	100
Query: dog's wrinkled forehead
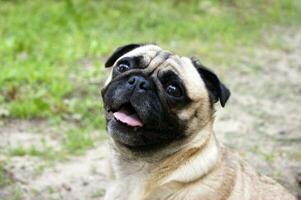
157	60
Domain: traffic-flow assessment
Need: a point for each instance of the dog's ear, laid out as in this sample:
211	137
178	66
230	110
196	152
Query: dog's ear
217	90
119	52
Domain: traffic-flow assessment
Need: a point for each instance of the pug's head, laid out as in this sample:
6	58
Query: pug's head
153	97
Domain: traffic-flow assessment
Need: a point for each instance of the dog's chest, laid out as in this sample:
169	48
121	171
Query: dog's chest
130	180
130	187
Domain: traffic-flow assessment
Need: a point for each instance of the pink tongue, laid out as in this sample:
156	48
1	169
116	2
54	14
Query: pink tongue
131	120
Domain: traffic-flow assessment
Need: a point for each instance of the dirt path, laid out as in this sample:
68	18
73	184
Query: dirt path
79	177
262	121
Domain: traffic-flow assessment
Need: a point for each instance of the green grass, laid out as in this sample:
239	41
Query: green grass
47	152
52	52
76	141
98	194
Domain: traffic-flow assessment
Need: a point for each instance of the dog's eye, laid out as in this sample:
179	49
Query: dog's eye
122	67
174	90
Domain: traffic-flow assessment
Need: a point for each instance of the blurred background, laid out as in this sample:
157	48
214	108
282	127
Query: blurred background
51	71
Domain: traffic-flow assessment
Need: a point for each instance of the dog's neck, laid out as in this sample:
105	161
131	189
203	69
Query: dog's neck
201	152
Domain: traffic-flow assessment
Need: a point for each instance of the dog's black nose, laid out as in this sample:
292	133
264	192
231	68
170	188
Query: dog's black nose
138	82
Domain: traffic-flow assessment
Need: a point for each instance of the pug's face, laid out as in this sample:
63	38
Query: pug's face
154	97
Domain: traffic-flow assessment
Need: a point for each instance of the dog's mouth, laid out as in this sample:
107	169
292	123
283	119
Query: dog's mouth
127	115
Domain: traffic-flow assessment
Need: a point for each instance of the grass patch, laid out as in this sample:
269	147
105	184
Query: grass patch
52	52
77	140
98	194
46	153
74	141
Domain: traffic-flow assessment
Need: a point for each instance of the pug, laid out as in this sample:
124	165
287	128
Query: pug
159	110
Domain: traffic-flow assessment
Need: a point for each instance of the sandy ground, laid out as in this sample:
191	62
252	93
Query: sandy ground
262	122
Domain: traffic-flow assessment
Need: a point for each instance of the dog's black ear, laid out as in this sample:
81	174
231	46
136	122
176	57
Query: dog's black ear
217	90
119	52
